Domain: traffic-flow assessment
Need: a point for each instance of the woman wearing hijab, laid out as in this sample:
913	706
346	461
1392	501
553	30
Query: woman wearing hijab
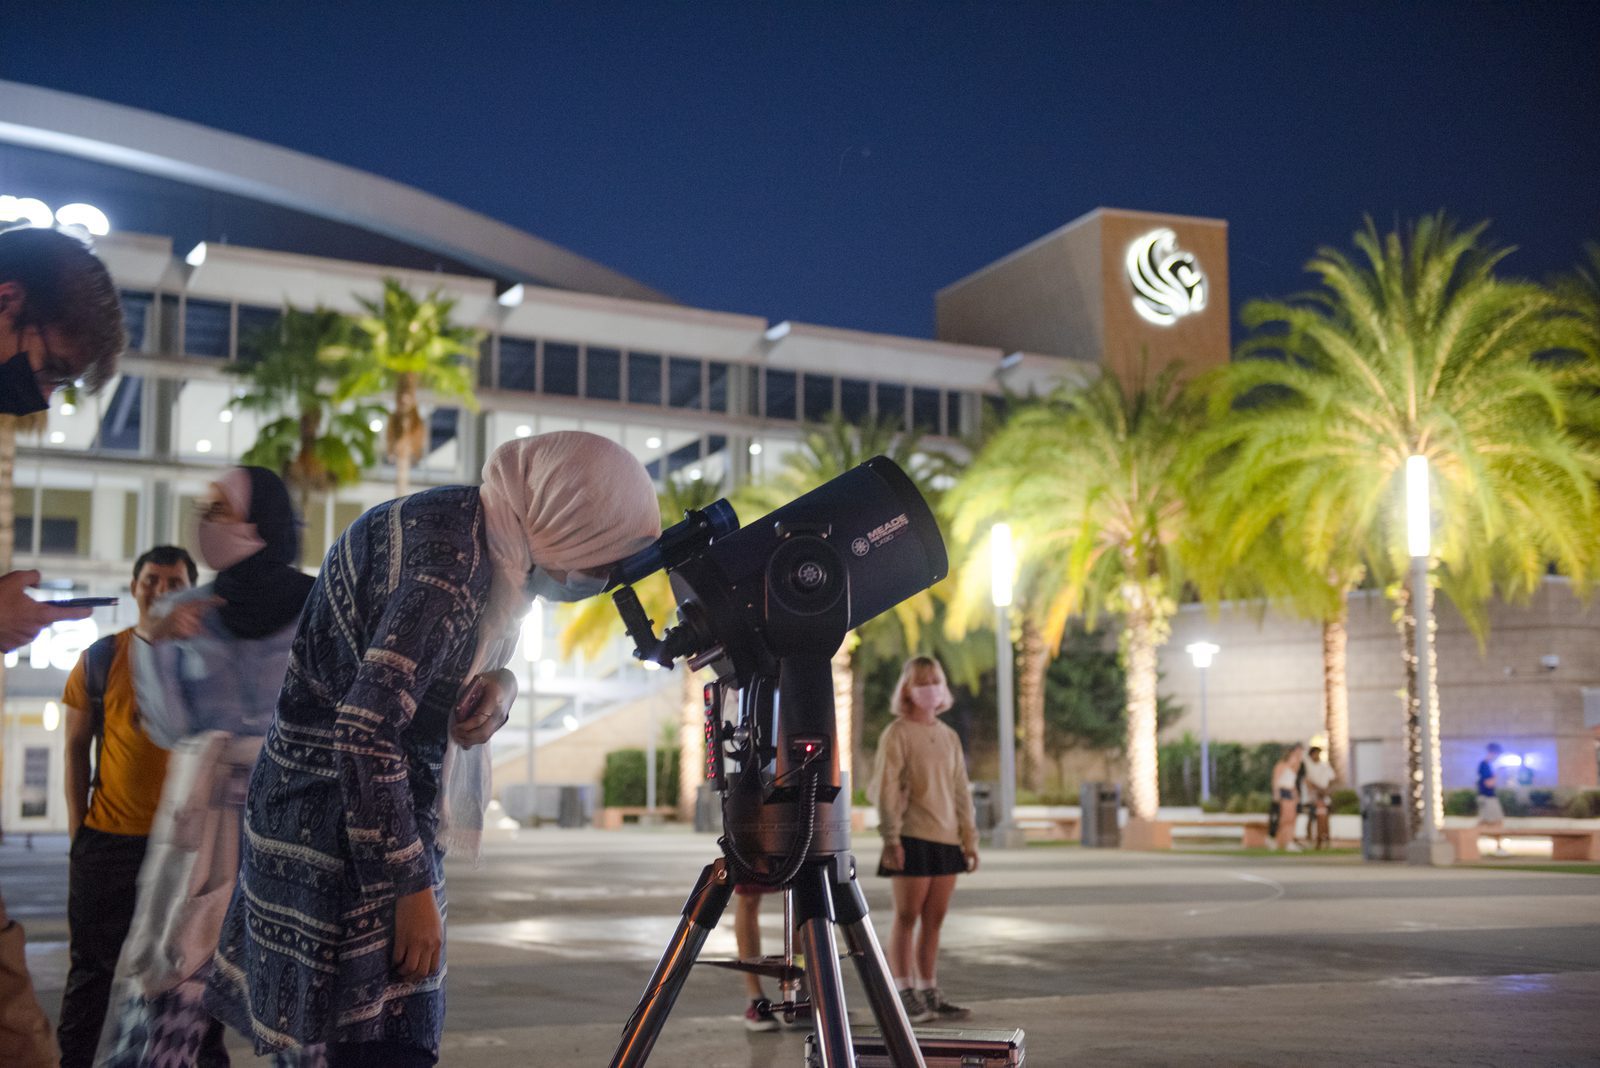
334	934
207	683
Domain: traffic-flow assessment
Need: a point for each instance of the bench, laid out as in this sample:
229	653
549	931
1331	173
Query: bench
612	816
1565	843
1255	830
1049	828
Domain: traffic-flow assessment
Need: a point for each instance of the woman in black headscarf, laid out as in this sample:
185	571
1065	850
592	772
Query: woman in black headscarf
208	683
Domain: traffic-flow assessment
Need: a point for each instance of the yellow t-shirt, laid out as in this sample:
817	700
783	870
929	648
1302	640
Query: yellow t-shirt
132	767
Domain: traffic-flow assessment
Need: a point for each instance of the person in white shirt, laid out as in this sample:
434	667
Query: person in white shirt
1316	796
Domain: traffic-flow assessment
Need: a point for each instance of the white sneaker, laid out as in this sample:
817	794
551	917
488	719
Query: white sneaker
1293	847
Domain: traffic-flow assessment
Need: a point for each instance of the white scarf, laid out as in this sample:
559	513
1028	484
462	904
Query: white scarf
564	501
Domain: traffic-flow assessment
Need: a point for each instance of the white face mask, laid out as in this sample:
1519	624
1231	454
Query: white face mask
578	587
930	697
224	544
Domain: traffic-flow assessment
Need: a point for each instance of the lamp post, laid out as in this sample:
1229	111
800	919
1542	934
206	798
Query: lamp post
533	652
1430	847
1003	561
1203	653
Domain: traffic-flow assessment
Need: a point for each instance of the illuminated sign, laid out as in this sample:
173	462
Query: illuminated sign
86	217
1167	282
58	645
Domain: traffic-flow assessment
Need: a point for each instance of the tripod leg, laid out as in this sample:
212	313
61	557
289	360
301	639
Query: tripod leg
813	899
850	906
700	914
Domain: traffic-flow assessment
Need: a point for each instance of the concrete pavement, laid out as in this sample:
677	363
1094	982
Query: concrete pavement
1102	957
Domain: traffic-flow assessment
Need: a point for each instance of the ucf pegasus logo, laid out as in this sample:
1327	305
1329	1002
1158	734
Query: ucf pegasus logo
1167	282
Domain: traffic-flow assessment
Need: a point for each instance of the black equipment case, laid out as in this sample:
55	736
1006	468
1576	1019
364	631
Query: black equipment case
941	1048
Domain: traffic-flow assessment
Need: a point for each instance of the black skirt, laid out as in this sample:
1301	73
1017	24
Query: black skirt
927	858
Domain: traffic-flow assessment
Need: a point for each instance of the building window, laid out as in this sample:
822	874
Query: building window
952	414
716	386
925	410
602	374
121	417
519	364
891	402
818	398
560	369
257	330
855	399
206	328
135	318
683	383
644	378
780	395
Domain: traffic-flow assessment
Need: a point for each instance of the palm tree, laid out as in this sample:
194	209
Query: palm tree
596	622
408	344
1089	481
1414	347
315	443
10	427
826	452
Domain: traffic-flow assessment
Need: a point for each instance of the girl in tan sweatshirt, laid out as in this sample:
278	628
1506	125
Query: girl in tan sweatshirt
929	835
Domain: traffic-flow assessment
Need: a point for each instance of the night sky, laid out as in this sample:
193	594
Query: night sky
838	163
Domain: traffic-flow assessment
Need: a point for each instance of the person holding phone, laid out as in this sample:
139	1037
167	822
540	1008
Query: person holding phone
929	833
335	933
111	805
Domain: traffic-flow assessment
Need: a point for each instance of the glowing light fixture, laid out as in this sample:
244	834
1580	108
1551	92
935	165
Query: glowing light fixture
85	217
52	715
570	721
67	408
203	445
1003	564
1419	518
1202	652
25	210
1167	282
375	425
57	437
778	331
652	443
512	296
695	474
755	448
524	430
196	256
225	416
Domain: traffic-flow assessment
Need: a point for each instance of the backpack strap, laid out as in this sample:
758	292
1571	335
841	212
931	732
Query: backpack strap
97	670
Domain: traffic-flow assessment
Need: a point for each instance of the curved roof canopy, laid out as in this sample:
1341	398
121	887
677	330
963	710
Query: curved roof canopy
173	148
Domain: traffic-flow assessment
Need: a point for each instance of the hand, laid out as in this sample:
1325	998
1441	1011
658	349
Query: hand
972	859
483	708
894	857
418	936
21	617
182	620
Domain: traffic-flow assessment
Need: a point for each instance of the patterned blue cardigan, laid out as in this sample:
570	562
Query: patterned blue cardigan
342	811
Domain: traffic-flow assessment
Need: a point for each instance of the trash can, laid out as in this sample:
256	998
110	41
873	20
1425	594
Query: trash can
1385	823
575	806
983	810
1099	802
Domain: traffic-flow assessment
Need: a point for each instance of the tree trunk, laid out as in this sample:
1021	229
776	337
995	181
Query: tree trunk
1336	693
1406	622
1140	639
405	430
1030	703
691	744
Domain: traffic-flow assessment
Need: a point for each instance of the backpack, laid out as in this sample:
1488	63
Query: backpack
97	670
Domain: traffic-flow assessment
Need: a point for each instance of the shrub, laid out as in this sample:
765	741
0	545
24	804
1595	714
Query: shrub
1461	802
1542	800
1344	803
623	781
1214	805
1584	806
1512	803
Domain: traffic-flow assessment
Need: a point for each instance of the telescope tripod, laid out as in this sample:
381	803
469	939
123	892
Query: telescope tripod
826	895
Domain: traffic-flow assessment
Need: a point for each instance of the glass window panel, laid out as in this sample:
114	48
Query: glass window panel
780	394
200	431
716	386
519	364
136	317
205	328
602	377
486	364
752	379
644	378
256	327
560	369
683	383
925	410
166	332
818	398
952	414
855	399
122	417
443	425
891	401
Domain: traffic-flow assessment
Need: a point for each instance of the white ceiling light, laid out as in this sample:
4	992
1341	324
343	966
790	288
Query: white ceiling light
755	448
652	443
203	445
524	430
67	407
57	437
225	416
375	425
196	256
511	297
695	474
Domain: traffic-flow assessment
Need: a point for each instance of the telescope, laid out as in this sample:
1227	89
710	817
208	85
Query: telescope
764	608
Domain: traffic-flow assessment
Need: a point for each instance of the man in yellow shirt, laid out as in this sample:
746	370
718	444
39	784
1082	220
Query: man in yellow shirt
109	814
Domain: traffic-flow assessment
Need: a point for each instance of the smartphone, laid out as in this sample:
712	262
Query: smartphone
85	602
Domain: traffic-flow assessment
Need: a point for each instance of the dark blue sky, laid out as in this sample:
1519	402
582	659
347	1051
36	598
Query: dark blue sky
838	163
